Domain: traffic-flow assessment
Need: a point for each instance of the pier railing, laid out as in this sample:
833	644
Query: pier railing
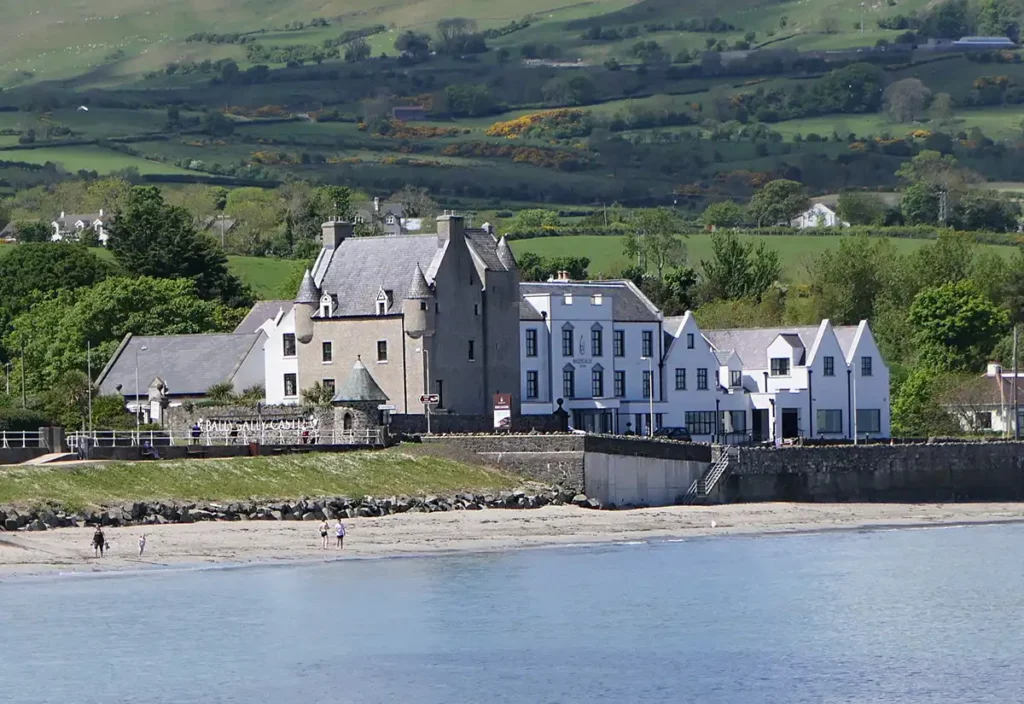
19	439
162	438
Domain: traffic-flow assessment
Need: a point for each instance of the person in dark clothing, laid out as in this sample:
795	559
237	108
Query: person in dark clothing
99	542
196	432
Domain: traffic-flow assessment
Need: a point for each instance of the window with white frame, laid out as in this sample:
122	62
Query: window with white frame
620	384
830	420
567	341
702	379
647	349
780	366
531	342
597	383
382	350
327	351
735	378
291	385
596	341
619	343
680	379
869	420
390	219
288	346
865	366
689	340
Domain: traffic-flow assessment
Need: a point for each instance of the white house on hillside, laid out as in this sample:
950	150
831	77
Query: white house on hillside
72	227
818	215
596	345
985	404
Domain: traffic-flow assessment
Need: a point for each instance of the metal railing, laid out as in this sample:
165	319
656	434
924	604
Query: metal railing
243	436
19	439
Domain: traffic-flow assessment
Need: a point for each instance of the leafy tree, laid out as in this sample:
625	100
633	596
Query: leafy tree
569	90
654	241
738	269
674	294
415	202
905	100
986	210
725	213
853	88
848	281
33	271
454	35
778	202
860	208
33	232
57	329
467	100
915	408
948	259
920	204
357	49
942	107
415	44
940	171
1000	18
222	393
535	220
956	327
151	238
217	124
258	213
533	267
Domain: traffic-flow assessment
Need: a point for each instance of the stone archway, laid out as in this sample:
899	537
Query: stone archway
346	421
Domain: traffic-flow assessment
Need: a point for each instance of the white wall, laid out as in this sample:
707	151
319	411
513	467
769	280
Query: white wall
872	392
639	481
276	365
829	392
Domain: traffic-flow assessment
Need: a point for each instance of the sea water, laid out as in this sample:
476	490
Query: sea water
915	616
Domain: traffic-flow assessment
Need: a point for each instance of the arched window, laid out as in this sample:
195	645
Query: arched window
346	421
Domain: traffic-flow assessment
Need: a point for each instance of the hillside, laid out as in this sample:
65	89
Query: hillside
597	101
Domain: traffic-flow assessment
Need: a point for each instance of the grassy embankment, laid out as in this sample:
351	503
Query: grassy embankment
386	473
795	251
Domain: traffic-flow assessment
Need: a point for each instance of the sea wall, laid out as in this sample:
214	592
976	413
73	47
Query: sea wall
549	459
444	423
990	471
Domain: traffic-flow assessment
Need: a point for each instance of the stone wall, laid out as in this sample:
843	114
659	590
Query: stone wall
912	473
551	459
180	419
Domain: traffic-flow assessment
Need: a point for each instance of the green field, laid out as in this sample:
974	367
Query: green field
386	473
795	251
102	161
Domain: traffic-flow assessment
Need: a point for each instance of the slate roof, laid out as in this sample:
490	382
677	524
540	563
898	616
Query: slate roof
68	221
723	356
751	344
984	391
360	386
418	287
307	290
629	305
189	364
260	313
360	267
528	312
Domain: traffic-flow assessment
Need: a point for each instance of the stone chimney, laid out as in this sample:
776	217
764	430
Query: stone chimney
450	227
335	232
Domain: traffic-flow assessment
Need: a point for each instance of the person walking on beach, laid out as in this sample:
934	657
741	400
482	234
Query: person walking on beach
99	542
324	528
339	533
142	544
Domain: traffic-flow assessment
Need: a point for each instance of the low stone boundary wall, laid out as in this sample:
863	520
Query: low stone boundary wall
893	473
161	512
17	455
549	459
442	423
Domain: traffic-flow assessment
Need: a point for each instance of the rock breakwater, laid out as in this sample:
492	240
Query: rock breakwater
55	515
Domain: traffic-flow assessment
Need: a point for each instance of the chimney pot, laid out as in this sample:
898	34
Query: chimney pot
334	233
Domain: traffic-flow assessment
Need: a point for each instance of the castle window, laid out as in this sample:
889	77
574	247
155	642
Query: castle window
382	307
472	351
423	305
329	386
328	351
290	385
288	340
382	350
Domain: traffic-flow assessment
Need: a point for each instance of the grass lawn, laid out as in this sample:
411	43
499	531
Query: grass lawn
996	123
606	257
264	274
103	161
385	473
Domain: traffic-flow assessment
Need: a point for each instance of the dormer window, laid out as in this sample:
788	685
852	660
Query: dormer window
390	219
568	299
326	306
384	299
382	307
360	220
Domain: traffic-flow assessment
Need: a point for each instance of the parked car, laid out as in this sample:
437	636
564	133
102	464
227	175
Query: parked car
681	434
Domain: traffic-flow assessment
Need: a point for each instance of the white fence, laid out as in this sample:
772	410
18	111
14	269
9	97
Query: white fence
18	439
269	436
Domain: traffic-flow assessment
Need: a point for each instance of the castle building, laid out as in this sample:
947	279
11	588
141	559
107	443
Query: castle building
435	313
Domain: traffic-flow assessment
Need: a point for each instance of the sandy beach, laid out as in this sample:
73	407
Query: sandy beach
247	542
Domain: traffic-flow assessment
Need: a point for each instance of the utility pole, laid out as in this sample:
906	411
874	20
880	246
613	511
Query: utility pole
862	18
24	402
88	364
1016	408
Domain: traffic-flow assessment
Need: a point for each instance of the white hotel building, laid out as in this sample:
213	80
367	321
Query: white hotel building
603	348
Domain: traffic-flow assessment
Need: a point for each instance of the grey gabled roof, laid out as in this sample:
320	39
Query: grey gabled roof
261	312
307	290
486	247
629	305
751	344
505	256
528	312
360	386
189	364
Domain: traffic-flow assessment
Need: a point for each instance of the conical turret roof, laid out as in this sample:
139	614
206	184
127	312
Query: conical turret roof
308	292
359	386
505	255
419	287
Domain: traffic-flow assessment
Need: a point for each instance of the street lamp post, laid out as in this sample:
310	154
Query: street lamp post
7	376
138	419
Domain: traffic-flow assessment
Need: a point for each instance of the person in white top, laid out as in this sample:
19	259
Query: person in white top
339	532
142	544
